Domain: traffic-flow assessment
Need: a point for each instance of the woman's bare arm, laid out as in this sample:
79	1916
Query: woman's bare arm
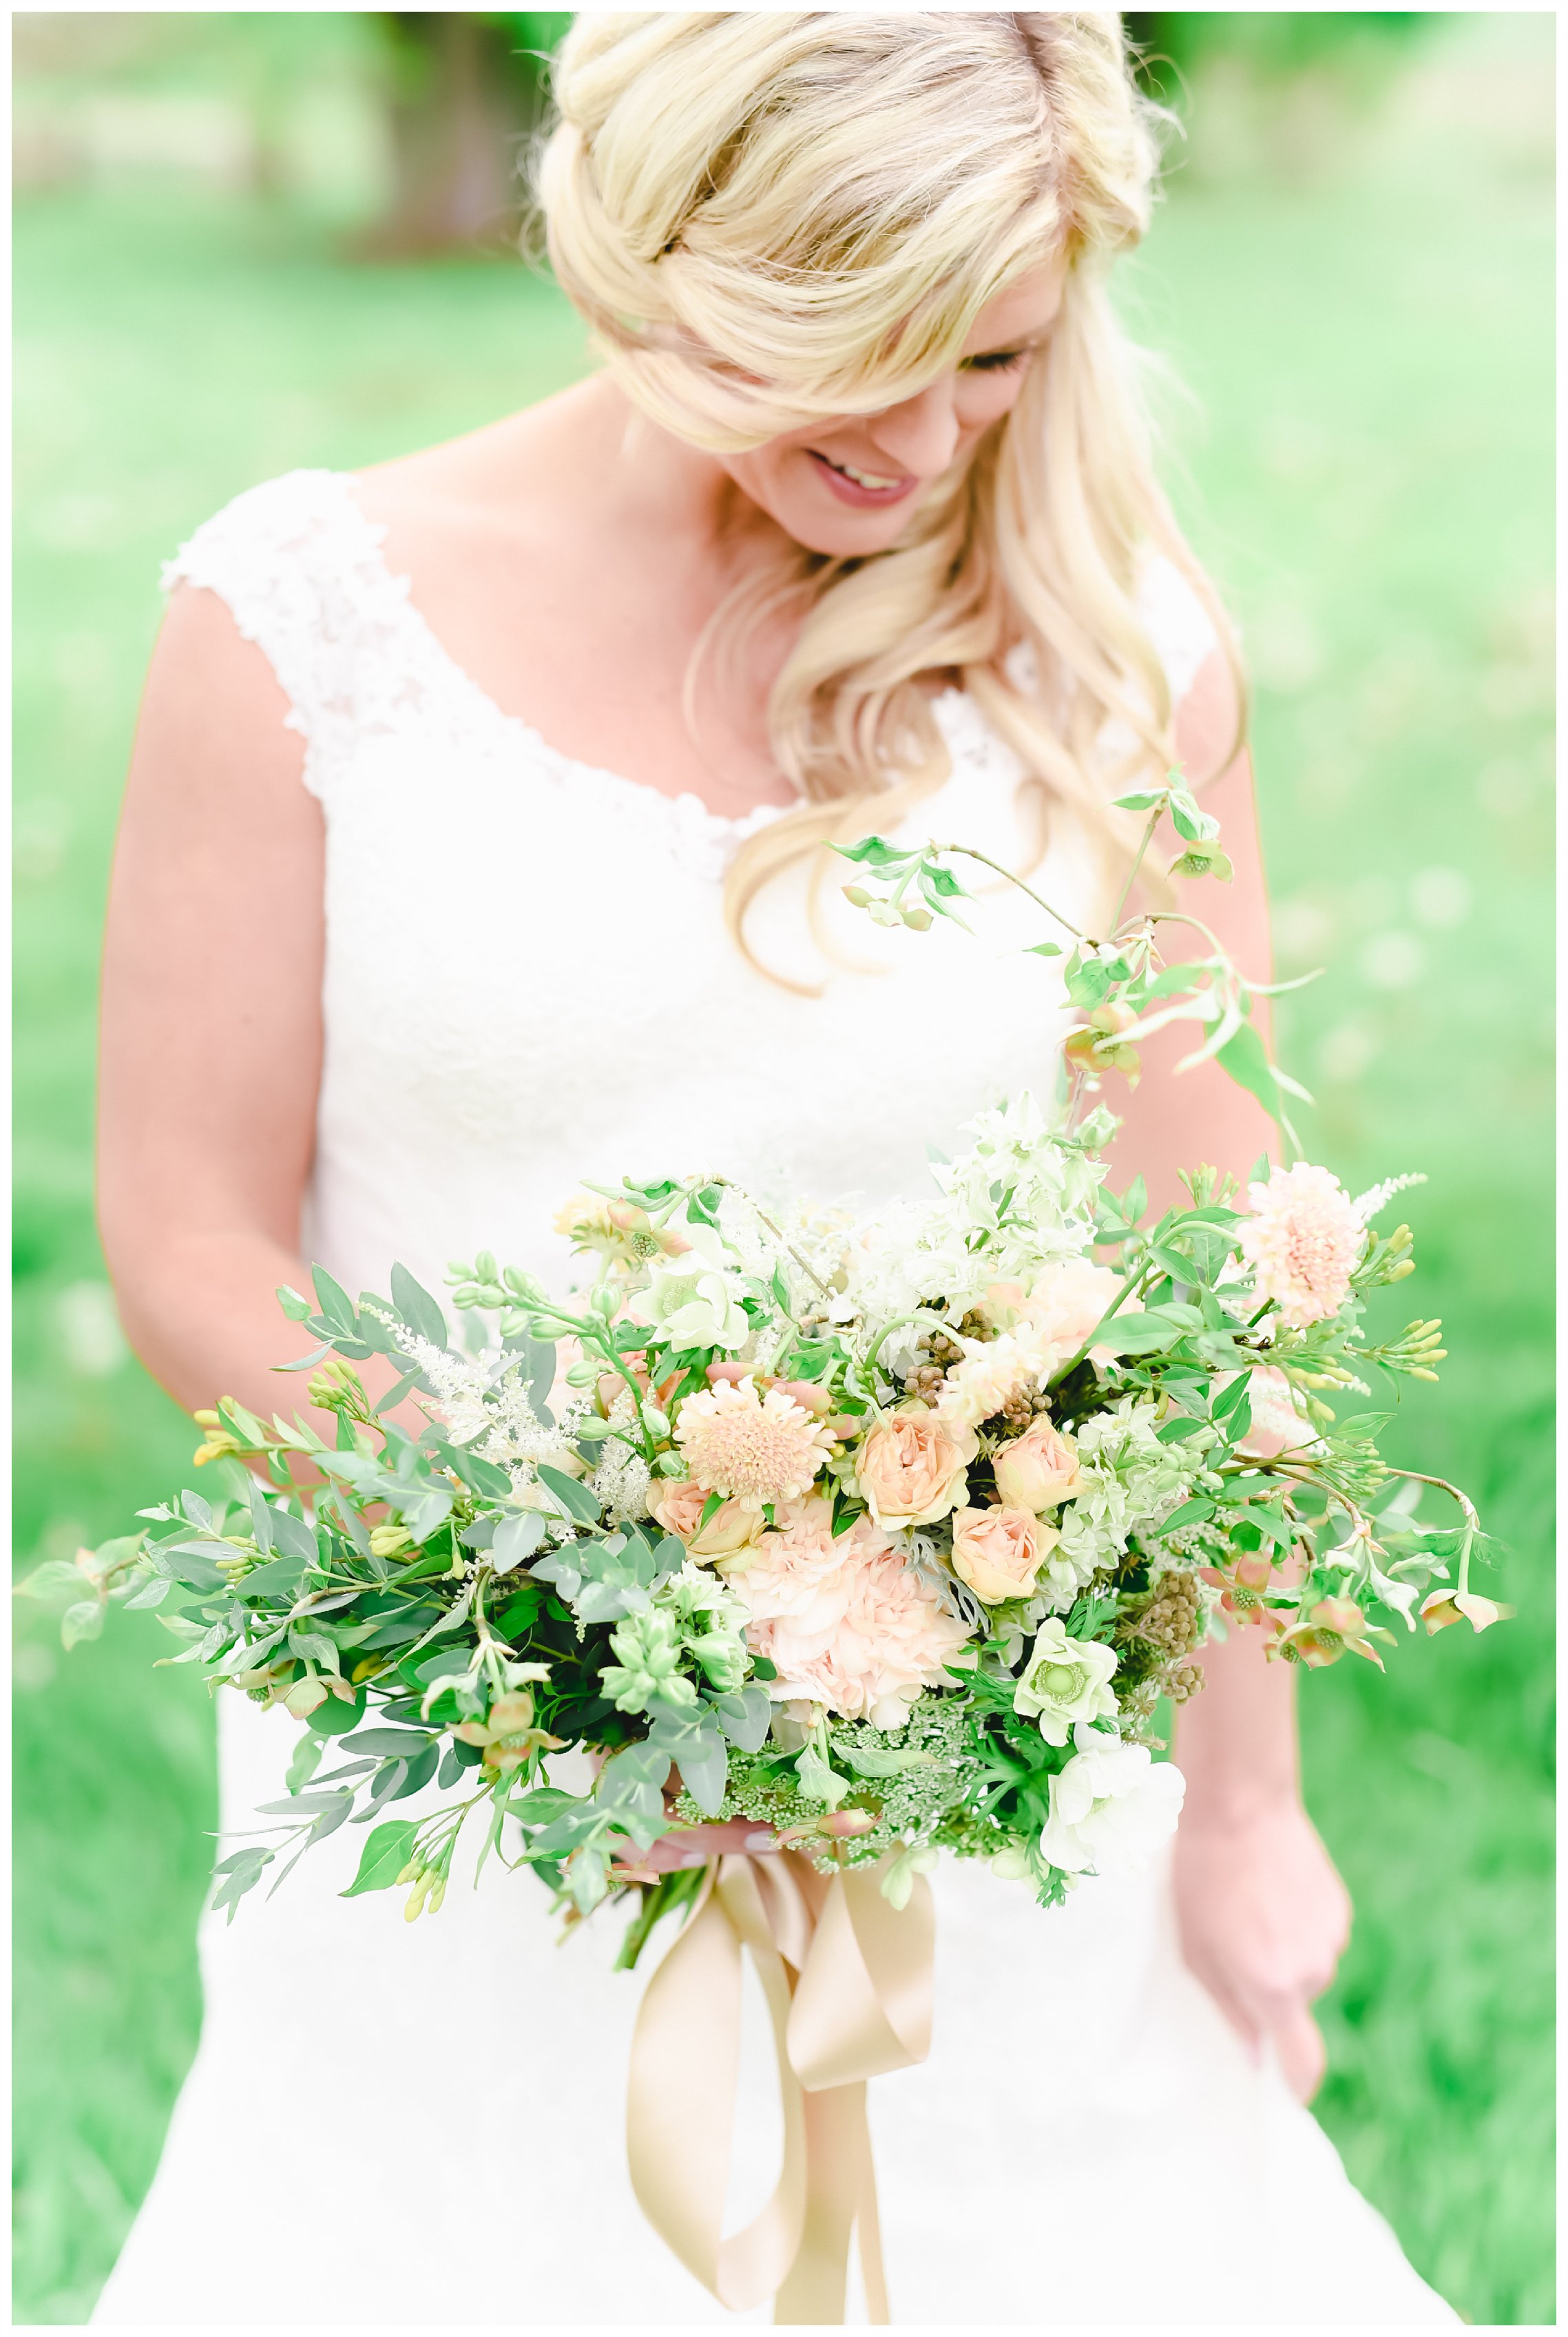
211	1017
1263	1915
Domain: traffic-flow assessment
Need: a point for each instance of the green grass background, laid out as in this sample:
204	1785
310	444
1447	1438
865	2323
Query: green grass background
1360	292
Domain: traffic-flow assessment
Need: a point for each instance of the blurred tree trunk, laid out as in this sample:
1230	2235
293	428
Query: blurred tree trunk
464	99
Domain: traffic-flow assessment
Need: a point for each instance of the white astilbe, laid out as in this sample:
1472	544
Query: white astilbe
517	1430
461	1383
1377	1196
494	1418
1132	1483
620	1482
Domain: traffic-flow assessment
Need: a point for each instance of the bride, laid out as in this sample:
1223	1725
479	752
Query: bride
471	847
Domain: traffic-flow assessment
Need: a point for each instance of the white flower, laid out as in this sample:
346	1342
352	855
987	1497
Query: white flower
695	1299
1377	1196
1017	1202
1111	1808
1066	1681
620	1482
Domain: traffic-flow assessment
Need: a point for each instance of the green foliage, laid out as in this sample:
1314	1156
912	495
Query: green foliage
1175	42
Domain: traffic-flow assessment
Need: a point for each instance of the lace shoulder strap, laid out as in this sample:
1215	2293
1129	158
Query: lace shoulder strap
300	569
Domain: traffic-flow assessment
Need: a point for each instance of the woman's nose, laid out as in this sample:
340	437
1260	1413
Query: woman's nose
921	433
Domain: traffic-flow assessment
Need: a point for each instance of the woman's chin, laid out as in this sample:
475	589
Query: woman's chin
838	533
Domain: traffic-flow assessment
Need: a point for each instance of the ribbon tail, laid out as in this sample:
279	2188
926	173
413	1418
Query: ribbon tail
860	2004
680	2097
840	2193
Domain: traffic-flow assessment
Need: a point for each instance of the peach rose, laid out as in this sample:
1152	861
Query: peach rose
730	1532
999	1552
911	1466
1038	1469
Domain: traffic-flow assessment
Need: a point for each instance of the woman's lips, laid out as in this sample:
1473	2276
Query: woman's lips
850	491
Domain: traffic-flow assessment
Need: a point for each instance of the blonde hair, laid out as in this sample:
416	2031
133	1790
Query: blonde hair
767	218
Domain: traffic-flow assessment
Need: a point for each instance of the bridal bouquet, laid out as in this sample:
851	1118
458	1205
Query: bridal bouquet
886	1531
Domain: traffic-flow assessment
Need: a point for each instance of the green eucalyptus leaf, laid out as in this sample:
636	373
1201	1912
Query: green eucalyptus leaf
418	1308
573	1498
385	1855
337	1307
84	1621
336	1717
515	1538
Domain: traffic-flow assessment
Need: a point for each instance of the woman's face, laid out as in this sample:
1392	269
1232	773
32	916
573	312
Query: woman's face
847	487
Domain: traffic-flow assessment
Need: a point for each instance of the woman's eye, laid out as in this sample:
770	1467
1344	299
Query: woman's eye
996	361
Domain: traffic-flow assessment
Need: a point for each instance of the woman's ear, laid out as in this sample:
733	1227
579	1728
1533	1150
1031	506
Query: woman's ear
1207	722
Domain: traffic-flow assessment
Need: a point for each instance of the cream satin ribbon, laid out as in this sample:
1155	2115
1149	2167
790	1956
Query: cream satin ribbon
848	1984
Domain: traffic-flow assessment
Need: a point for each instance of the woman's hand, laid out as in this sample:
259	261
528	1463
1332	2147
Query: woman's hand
1263	1918
694	1846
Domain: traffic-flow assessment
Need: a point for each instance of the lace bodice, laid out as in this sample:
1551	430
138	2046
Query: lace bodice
528	977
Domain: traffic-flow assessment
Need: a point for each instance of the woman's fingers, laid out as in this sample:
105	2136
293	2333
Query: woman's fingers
1298	2042
695	1845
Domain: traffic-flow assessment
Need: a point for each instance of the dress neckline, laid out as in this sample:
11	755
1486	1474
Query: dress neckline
685	808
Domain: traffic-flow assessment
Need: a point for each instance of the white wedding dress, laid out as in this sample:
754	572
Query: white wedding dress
528	980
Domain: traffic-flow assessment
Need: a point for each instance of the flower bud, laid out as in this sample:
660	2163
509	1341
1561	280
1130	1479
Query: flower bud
858	896
509	1714
843	1825
918	920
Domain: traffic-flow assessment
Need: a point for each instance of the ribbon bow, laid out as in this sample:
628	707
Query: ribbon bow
848	1984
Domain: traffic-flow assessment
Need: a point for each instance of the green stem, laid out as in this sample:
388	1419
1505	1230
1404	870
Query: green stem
1154	820
788	1247
969	853
1133	1281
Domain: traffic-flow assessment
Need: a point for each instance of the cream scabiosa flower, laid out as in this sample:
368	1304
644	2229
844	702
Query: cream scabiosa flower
1303	1240
1065	1681
750	1447
1111	1808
